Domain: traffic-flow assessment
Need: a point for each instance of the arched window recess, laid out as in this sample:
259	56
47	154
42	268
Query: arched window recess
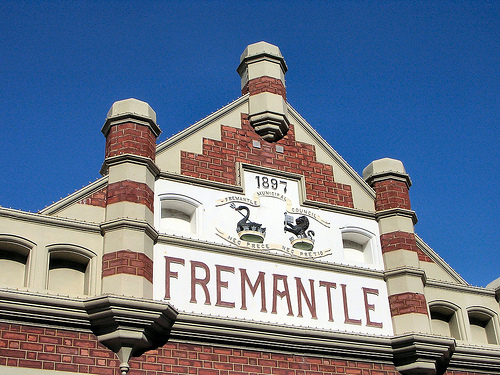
71	269
15	255
483	324
359	245
179	214
446	319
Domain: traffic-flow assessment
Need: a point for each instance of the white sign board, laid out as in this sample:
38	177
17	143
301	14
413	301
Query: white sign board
241	288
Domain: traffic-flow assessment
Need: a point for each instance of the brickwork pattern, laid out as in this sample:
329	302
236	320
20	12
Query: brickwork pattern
219	158
54	349
97	199
207	360
391	194
130	191
265	84
130	138
406	303
127	262
402	241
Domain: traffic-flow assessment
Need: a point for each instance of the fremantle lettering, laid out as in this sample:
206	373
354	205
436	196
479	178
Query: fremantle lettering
303	298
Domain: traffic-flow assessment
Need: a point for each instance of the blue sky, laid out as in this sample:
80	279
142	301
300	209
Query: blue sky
417	81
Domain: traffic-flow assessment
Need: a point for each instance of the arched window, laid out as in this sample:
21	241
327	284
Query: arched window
179	214
358	245
15	254
445	319
70	269
482	325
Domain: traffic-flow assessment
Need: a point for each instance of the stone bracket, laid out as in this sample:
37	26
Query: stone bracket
416	354
129	327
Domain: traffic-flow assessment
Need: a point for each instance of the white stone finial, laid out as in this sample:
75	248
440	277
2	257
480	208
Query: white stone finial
131	106
385	167
261	59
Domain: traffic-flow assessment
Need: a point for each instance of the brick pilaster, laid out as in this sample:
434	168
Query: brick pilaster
402	257
129	234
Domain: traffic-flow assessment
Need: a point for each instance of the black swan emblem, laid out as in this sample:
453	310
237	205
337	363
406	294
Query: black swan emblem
245	224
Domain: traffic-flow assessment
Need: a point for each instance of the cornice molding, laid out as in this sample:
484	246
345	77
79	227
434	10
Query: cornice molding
475	358
339	209
43	219
239	189
259	336
130	158
131	117
397	212
433	283
406	271
125	223
43	310
389	175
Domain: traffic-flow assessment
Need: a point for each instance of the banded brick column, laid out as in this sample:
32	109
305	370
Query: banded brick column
405	279
129	235
262	70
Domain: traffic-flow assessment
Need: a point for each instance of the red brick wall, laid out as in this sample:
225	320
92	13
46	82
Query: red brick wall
219	158
97	199
130	191
402	241
264	84
54	349
406	303
130	138
128	262
208	360
391	194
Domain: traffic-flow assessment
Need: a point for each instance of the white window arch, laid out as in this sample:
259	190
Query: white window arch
483	325
445	319
15	255
179	214
70	269
359	246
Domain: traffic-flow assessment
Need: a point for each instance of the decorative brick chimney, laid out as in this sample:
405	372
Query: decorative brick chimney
405	278
262	70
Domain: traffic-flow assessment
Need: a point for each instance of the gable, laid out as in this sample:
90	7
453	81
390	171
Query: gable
213	148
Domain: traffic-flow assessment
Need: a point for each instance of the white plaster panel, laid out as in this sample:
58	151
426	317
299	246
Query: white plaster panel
215	216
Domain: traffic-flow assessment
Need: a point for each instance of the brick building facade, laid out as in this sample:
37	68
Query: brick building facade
242	245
